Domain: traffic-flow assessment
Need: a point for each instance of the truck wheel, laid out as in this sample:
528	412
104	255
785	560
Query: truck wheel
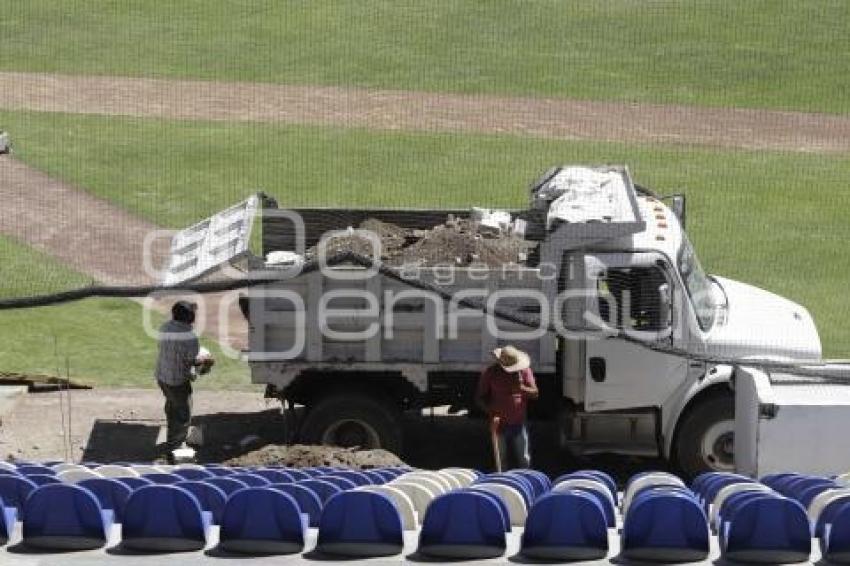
705	441
352	420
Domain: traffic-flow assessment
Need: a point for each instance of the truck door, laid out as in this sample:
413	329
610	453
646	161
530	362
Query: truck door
635	296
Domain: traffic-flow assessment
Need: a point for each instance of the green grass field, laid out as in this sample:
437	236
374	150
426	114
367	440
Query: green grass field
772	219
102	340
761	53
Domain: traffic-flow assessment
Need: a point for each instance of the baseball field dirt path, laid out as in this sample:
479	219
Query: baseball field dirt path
94	237
422	111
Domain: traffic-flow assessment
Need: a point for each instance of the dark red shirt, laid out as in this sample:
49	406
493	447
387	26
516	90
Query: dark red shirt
502	392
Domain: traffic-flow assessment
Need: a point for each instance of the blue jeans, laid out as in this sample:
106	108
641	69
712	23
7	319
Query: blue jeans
513	447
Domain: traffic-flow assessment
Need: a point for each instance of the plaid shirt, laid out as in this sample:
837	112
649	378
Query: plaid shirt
178	347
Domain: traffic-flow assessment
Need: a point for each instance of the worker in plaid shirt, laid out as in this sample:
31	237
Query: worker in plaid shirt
176	367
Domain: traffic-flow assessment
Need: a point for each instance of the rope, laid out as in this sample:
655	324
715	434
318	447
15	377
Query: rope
803	368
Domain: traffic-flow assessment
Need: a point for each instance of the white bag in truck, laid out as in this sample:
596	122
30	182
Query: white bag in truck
791	423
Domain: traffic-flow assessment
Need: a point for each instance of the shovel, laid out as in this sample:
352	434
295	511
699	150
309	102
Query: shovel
494	440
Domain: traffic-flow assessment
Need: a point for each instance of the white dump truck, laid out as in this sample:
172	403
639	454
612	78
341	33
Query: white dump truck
601	286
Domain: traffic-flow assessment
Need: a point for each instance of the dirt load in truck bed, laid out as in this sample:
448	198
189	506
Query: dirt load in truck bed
457	242
301	456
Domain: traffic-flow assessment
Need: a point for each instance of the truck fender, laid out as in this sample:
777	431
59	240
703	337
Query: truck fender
713	377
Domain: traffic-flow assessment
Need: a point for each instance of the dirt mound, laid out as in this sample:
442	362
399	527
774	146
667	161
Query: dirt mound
301	456
456	242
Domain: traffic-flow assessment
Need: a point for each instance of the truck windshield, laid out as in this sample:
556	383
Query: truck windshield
697	284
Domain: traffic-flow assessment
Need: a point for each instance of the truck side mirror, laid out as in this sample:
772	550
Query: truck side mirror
665	297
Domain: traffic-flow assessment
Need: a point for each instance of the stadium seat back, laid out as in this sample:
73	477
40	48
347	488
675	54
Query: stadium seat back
360	524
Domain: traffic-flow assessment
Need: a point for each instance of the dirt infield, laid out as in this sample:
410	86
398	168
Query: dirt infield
421	111
93	237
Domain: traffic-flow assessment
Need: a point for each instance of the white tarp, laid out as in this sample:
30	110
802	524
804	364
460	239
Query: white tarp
582	194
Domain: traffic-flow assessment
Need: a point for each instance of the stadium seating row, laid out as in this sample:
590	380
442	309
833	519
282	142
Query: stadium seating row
459	513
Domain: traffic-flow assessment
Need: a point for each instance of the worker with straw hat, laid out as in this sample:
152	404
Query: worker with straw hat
504	389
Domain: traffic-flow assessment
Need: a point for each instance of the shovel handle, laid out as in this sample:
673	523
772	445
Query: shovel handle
494	440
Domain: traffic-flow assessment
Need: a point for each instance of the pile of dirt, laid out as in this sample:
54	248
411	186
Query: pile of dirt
302	456
456	242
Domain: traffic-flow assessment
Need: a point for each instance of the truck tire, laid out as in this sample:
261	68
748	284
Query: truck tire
354	419
705	438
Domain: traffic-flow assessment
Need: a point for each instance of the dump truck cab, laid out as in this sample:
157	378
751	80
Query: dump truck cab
610	300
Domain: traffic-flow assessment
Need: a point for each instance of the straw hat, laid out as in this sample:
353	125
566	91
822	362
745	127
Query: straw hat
511	359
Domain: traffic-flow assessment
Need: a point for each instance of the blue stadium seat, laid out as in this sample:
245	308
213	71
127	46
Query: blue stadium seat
251	479
134	483
228	485
164	518
522	485
463	524
732	503
274	476
828	513
298	475
540	482
359	478
324	489
342	483
602	497
7	472
261	520
43	479
324	469
797	488
65	517
360	523
308	500
14	490
211	498
163	479
566	525
220	471
8	516
712	487
806	494
835	535
604	479
387	475
193	474
111	494
767	529
35	469
376	477
665	525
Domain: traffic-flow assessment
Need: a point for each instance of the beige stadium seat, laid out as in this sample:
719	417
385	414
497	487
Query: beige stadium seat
727	492
583	483
62	466
189	466
649	480
517	510
419	495
406	509
143	469
453	481
823	499
112	471
843	479
463	476
74	476
444	486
